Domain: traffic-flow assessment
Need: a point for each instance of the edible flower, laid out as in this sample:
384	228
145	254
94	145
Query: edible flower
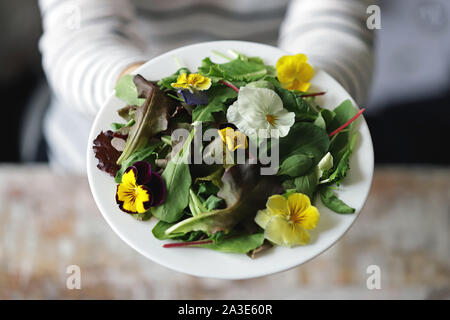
192	82
140	189
286	221
193	98
294	73
233	139
260	108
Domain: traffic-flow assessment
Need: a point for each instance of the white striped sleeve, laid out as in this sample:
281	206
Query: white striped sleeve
335	37
85	46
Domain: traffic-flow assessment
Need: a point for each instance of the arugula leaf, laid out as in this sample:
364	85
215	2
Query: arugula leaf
331	201
177	178
151	118
236	244
344	163
126	90
219	96
239	69
147	153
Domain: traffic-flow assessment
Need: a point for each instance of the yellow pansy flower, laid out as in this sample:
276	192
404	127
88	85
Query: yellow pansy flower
130	196
233	139
294	73
286	221
192	81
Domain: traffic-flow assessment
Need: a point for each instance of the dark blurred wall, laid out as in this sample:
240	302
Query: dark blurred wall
20	65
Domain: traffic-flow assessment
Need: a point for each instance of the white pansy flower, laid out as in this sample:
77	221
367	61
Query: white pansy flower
260	108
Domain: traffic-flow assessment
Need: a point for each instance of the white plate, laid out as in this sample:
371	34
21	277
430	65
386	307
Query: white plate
207	263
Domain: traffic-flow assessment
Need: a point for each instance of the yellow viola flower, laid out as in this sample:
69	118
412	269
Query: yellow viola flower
233	139
130	196
286	221
192	81
294	73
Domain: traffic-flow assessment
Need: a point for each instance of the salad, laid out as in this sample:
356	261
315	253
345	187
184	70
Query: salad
232	157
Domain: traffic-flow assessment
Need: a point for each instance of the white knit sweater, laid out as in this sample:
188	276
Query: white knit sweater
87	43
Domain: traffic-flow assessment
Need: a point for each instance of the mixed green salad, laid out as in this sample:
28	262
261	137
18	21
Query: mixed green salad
231	156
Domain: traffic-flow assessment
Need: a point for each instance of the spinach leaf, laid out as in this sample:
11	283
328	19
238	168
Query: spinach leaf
151	118
293	102
344	112
160	228
307	184
147	153
236	244
219	96
126	90
324	119
295	165
177	178
331	201
307	139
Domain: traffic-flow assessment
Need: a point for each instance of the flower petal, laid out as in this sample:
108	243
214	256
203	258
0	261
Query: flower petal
144	172
286	69
277	205
285	233
158	188
309	218
297	202
262	218
142	199
284	120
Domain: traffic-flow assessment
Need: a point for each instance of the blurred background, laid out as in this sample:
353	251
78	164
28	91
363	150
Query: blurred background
47	222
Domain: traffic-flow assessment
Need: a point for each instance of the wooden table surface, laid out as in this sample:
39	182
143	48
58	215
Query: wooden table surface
50	221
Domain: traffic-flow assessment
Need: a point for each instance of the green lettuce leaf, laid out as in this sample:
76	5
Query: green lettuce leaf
236	244
331	201
126	90
244	192
177	178
147	153
219	96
